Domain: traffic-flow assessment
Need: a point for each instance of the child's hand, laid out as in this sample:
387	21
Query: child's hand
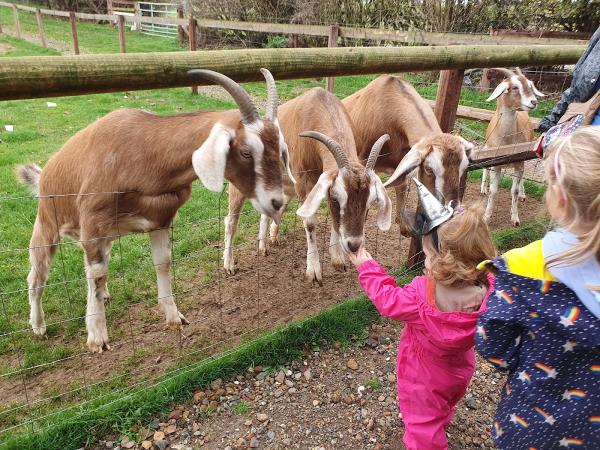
360	256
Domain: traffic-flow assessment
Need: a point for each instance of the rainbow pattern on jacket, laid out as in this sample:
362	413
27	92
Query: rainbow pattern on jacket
572	314
515	289
546	368
541	412
545	286
506	297
594	420
577	393
521	422
507	389
572	441
595	368
534	315
497	362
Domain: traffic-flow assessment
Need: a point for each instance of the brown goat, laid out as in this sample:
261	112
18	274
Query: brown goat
391	105
326	166
130	171
515	96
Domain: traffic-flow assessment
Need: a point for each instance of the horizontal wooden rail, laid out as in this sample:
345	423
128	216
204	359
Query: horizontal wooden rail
49	76
502	155
469	112
413	37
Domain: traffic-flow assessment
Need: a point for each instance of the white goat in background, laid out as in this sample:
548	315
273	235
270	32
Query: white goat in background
515	96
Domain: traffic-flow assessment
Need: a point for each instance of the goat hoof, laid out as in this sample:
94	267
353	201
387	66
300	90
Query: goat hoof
40	331
522	199
516	223
340	267
263	251
274	241
230	270
98	347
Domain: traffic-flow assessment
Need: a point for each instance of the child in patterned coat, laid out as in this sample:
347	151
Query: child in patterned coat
543	323
436	356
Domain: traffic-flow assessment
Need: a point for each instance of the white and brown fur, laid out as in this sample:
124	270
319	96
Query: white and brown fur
130	171
350	191
515	96
392	105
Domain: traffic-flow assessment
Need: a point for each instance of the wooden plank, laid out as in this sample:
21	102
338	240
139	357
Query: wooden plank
583	35
86	16
40	24
334	32
51	12
448	95
502	155
73	22
423	37
121	24
469	112
16	21
192	29
30	9
49	76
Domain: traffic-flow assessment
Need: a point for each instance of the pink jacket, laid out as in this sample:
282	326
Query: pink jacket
436	357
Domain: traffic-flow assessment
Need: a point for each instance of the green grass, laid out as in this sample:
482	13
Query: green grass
24	48
242	408
532	188
93	38
373	384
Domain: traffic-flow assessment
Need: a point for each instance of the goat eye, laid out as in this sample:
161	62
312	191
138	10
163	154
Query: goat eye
428	171
246	154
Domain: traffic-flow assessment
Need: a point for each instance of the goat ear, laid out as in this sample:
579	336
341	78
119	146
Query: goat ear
210	159
500	89
409	163
315	197
384	214
534	89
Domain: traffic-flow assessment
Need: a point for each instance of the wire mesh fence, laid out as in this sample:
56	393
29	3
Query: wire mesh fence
43	377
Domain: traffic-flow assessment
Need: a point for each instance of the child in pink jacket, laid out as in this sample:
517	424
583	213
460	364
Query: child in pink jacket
436	358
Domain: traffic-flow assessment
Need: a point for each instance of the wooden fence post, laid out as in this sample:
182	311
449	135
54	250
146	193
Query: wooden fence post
484	83
138	16
192	33
448	95
16	19
180	30
109	7
334	32
73	21
40	23
121	23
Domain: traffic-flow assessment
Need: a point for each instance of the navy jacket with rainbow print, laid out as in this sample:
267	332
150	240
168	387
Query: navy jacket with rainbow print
548	339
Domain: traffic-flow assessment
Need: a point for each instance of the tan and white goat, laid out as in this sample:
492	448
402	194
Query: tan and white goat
324	167
515	96
391	105
130	171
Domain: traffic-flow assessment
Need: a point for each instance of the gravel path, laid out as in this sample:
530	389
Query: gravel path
335	398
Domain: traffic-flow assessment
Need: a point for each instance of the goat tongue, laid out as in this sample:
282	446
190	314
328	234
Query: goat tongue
277	217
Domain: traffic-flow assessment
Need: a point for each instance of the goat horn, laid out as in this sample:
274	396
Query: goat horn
509	73
340	157
518	69
377	146
272	99
240	96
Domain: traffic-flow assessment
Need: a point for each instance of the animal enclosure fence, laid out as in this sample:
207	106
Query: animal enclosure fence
41	380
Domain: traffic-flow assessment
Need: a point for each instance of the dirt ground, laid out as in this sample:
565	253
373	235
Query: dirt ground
335	398
266	292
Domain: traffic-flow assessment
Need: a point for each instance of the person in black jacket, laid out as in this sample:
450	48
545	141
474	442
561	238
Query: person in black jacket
586	82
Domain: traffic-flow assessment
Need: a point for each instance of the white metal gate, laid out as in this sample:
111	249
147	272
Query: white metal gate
161	10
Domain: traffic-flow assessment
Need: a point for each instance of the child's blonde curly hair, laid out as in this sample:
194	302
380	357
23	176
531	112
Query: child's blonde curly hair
464	242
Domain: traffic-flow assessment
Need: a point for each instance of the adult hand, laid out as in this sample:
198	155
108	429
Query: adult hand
360	256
